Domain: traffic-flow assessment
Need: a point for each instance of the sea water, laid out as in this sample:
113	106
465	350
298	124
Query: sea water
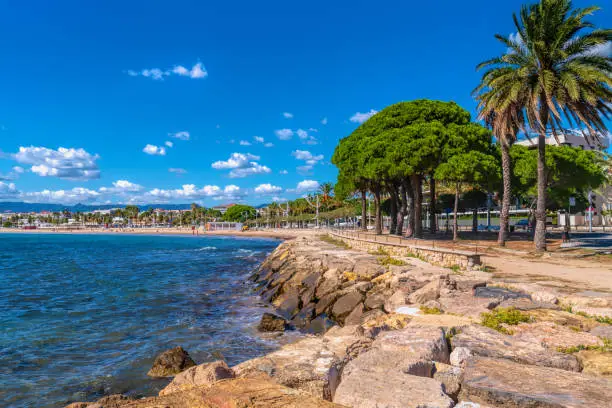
82	316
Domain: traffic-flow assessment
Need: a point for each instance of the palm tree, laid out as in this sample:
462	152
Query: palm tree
553	73
326	190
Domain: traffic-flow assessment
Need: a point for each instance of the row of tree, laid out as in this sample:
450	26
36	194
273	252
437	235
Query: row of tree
550	78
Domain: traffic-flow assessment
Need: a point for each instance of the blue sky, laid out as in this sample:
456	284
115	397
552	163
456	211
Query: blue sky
262	90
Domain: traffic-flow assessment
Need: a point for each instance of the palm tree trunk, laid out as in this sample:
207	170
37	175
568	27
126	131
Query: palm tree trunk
364	211
418	205
377	209
539	237
456	209
505	210
432	206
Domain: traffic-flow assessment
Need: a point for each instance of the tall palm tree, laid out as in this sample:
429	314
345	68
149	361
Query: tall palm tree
554	73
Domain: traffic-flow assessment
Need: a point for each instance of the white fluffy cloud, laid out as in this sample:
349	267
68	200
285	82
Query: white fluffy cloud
245	143
241	165
308	158
324	121
18	170
307	186
8	191
236	161
306	137
284	134
169	143
288	115
154	150
283	172
362	117
266	189
121	186
258	139
268	144
180	135
196	72
191	192
70	164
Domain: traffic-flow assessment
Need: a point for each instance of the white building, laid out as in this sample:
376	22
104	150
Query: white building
572	138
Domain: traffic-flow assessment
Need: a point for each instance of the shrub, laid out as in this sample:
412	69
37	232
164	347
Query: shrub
509	316
430	310
389	260
337	242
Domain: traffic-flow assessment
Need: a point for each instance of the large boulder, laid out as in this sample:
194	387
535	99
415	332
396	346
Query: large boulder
288	302
450	378
345	305
200	375
485	342
465	304
431	291
563	318
307	365
604	331
553	336
272	323
425	343
171	362
393	389
502	383
241	392
329	283
110	401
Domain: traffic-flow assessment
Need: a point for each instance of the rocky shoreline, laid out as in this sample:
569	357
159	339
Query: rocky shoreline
398	332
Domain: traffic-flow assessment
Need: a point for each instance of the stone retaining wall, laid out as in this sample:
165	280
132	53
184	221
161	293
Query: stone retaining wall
447	258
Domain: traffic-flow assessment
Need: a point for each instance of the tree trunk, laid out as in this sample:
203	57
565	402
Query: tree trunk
418	206
539	237
409	208
377	209
432	206
401	213
393	209
456	209
364	210
505	210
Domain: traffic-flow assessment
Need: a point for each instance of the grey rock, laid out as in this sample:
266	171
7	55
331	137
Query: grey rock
450	378
345	305
171	362
502	383
271	323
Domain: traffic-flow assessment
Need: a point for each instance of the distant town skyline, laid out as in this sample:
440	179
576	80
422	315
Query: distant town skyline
120	103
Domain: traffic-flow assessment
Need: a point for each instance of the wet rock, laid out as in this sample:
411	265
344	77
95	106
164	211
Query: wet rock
171	362
272	323
553	336
200	375
503	383
426	343
596	362
320	324
304	317
485	342
395	389
450	378
345	305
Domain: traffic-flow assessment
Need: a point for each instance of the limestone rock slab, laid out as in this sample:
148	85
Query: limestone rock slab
200	375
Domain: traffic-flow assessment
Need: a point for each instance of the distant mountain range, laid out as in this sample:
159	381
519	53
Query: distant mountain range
38	207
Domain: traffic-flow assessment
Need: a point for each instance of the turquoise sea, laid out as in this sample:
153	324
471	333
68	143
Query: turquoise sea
82	316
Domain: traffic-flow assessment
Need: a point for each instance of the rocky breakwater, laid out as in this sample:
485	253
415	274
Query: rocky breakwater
404	334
